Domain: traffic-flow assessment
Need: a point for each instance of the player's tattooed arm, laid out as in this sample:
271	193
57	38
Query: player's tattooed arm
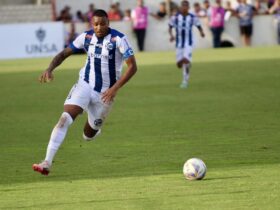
47	75
59	58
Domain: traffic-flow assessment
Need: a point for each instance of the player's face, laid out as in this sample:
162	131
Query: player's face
185	7
100	26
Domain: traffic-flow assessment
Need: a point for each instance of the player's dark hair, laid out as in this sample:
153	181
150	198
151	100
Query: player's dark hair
184	2
100	13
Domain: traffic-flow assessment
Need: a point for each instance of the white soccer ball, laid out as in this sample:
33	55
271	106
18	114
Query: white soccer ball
194	169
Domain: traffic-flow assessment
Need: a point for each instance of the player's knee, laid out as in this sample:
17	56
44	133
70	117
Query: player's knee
185	61
65	120
95	124
179	64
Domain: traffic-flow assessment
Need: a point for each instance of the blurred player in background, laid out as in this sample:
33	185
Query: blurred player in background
183	22
99	81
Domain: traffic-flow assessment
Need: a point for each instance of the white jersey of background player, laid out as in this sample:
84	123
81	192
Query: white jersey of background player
183	22
99	81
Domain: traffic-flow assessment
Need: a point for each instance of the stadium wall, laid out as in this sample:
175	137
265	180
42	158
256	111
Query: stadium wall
46	39
157	38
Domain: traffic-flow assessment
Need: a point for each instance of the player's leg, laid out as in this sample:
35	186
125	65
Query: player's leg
59	132
89	132
74	105
57	136
186	73
97	113
186	65
180	59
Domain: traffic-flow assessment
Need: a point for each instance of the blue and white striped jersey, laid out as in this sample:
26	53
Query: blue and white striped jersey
105	57
183	26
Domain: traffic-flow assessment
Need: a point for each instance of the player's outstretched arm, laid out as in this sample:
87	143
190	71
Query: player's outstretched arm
47	75
171	36
109	94
201	31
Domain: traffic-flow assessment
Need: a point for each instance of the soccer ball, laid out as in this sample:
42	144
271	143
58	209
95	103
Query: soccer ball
194	169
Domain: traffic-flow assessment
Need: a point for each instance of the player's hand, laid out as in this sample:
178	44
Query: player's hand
46	76
202	34
172	38
109	95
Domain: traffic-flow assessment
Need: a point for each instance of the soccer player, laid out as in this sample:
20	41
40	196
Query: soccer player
99	81
183	22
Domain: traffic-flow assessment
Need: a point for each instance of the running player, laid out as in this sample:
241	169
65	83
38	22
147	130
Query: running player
99	81
183	22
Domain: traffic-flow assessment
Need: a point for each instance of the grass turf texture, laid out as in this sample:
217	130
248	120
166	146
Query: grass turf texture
229	116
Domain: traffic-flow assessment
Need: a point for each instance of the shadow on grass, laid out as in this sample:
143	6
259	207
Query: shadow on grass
229	177
77	203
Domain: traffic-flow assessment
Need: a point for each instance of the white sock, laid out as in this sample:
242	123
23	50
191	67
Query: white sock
186	75
58	135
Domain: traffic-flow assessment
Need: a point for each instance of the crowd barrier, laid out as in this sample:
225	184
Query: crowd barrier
47	39
31	40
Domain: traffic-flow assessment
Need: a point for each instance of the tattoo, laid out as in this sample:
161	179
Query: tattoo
59	58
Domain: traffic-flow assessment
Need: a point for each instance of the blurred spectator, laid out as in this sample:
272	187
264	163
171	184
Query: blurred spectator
245	14
161	13
71	35
270	3
113	13
275	9
62	16
171	7
127	15
139	17
261	7
65	15
198	11
229	11
79	17
216	18
237	3
90	12
206	6
118	8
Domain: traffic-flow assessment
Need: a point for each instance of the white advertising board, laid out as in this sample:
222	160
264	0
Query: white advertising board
31	40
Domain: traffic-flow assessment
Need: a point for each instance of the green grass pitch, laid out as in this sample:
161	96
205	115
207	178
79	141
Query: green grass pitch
229	117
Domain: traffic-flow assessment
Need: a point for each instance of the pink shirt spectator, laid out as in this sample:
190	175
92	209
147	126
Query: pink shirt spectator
217	15
140	17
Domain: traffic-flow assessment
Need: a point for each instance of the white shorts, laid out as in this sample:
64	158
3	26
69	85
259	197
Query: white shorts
90	101
185	52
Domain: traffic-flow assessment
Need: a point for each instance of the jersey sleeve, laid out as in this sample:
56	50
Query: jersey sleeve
78	43
125	48
196	21
171	22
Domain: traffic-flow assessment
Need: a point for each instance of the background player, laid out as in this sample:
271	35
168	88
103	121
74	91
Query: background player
99	81
183	22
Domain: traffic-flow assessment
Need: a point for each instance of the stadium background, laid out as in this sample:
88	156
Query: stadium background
26	11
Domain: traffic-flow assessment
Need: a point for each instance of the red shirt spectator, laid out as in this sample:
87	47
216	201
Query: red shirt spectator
113	13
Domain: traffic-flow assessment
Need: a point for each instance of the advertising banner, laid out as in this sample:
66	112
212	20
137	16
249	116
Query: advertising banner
31	40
